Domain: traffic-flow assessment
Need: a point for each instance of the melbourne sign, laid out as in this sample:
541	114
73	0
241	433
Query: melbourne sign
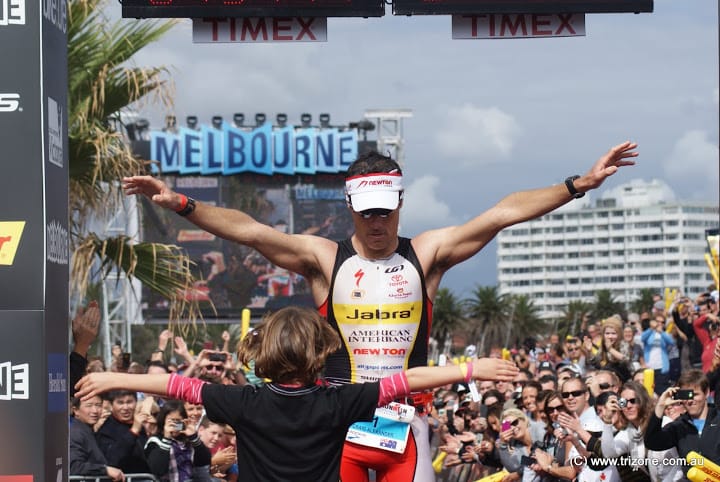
263	150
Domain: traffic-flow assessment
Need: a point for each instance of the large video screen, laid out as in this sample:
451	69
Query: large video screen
232	276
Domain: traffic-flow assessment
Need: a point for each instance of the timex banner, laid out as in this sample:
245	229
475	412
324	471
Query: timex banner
34	244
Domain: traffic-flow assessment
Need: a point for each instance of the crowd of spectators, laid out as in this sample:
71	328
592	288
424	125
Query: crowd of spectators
624	399
598	405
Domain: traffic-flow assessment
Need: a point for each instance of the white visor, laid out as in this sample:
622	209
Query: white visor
381	190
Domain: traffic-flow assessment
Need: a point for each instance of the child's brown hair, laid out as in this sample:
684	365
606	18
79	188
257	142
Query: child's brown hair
289	346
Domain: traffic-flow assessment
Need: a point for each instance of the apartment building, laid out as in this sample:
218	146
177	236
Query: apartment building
632	237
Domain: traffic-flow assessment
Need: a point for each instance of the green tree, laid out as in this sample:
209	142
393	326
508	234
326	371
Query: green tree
488	309
103	83
644	302
524	319
572	318
448	316
605	305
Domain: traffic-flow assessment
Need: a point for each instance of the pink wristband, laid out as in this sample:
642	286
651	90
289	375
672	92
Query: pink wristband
393	387
469	372
184	388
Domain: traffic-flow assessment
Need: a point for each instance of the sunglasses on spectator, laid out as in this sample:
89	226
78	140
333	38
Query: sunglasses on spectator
556	408
631	401
575	393
515	422
217	368
605	386
368	213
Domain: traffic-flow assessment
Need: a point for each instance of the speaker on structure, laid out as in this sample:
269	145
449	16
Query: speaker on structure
366	146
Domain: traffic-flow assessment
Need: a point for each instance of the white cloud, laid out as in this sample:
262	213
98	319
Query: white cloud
476	135
692	154
421	208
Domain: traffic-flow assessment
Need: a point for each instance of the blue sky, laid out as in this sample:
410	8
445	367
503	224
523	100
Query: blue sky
489	116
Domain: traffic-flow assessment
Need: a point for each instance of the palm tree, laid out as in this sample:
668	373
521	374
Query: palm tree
644	302
525	321
102	83
490	310
448	317
572	318
605	305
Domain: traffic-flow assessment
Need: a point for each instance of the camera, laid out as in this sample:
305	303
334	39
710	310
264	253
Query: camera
217	357
527	461
622	403
557	425
684	395
179	426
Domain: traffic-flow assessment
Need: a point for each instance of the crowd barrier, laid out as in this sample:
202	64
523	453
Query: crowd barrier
105	478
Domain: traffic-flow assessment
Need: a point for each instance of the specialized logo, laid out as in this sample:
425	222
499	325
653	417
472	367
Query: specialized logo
12	12
10	102
358	276
55	138
58	246
10	234
14	381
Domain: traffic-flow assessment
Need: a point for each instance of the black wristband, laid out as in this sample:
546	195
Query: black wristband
569	183
190	207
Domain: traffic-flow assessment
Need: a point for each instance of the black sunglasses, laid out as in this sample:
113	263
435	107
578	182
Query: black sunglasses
575	393
604	386
368	213
631	401
556	408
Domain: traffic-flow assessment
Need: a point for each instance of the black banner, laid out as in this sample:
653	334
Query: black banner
34	244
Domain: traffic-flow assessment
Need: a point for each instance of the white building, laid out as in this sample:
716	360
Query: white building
634	236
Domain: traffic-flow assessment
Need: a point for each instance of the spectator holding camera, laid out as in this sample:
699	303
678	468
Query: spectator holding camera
177	449
515	444
551	457
635	408
696	430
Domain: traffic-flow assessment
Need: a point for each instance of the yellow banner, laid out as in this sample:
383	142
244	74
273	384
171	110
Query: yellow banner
10	234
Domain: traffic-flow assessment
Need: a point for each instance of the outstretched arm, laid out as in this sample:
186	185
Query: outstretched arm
444	248
421	378
101	382
298	253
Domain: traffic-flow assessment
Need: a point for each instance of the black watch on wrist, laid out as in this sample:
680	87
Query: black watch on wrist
569	183
190	207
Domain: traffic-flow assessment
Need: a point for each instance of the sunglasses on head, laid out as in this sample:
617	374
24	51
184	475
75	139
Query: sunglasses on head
368	213
575	393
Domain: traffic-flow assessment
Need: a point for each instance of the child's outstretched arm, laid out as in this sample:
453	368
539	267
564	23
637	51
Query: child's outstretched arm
97	383
420	378
170	385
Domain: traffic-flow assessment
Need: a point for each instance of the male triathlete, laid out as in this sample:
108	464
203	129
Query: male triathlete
377	288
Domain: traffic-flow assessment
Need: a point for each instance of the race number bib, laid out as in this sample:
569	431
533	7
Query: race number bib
388	430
